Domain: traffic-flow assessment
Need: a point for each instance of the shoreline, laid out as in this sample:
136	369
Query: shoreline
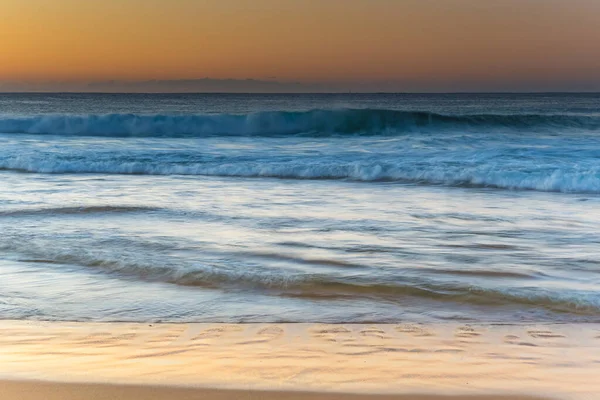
36	390
550	361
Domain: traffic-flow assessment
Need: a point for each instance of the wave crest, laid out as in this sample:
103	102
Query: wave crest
315	122
579	179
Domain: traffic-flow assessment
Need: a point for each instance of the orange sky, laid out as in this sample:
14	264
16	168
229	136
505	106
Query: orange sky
302	40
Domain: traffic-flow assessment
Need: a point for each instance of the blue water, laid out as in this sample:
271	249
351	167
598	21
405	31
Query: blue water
328	208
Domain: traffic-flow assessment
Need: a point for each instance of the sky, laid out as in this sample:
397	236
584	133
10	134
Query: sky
301	45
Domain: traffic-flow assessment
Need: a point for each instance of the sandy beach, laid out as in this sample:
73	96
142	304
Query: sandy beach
300	200
62	391
402	361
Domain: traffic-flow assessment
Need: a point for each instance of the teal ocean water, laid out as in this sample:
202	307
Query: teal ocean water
320	208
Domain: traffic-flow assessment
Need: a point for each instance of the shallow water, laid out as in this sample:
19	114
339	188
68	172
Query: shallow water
176	208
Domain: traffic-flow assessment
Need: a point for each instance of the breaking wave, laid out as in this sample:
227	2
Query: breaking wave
315	122
568	179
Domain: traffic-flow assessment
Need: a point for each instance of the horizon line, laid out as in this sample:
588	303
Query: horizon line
300	93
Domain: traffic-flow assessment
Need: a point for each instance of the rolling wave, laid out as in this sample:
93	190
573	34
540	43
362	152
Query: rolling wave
315	122
322	286
567	179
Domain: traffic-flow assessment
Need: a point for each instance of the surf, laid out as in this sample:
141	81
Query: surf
318	122
567	179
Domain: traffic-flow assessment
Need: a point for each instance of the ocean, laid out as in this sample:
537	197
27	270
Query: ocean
300	208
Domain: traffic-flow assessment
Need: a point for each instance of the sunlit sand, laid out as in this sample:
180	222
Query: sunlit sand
550	361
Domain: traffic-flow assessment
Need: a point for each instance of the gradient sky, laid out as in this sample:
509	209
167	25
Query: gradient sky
414	44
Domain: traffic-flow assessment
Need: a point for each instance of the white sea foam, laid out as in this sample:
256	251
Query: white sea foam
560	179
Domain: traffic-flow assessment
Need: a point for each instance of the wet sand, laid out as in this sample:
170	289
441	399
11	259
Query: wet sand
62	391
401	361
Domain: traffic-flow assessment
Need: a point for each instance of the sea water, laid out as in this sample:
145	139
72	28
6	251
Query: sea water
298	208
